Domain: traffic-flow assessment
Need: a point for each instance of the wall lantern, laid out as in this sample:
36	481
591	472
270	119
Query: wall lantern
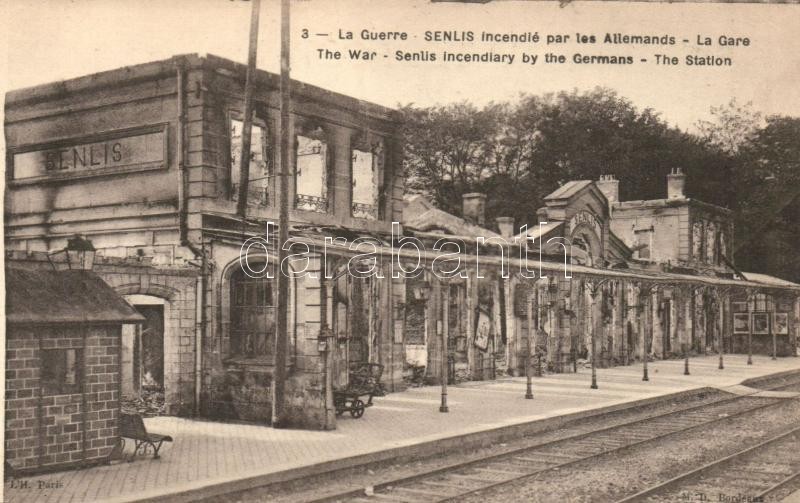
79	253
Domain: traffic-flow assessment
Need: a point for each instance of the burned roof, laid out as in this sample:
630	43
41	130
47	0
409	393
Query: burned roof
569	189
49	296
768	280
421	215
153	69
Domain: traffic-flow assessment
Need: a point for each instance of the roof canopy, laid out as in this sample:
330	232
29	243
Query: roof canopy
47	297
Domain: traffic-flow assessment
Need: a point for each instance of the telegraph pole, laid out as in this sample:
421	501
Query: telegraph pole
445	336
283	226
247	127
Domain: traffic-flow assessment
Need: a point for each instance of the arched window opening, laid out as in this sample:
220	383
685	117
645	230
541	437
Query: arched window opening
252	332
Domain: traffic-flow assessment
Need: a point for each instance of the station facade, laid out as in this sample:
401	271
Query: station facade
143	162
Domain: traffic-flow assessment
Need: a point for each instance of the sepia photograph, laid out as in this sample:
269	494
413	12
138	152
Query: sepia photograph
412	251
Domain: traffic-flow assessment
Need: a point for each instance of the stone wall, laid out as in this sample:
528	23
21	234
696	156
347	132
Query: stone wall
177	286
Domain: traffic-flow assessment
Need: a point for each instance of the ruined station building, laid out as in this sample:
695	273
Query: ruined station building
143	162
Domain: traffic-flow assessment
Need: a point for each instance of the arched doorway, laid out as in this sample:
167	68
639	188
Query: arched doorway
143	350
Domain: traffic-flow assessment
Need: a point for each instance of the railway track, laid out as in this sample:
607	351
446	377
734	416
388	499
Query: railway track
455	481
752	474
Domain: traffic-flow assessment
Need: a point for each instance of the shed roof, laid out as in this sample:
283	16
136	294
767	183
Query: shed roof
47	296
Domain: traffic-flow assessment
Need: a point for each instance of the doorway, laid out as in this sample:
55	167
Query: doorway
143	356
355	306
148	359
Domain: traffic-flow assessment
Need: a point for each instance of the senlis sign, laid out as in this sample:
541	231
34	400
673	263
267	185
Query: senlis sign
63	160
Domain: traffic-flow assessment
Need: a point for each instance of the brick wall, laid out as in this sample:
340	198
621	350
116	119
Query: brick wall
45	430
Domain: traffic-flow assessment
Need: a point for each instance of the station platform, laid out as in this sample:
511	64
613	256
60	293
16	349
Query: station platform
210	458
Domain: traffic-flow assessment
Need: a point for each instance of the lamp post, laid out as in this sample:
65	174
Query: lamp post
445	331
717	310
685	360
774	337
594	347
749	329
643	292
531	332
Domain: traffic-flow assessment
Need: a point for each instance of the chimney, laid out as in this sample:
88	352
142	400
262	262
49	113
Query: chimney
609	186
541	214
676	181
505	226
473	207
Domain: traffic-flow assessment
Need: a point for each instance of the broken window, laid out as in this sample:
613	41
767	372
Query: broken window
711	235
365	176
698	241
61	371
311	174
260	163
644	242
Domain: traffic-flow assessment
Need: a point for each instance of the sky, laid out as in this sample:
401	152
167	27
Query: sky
50	40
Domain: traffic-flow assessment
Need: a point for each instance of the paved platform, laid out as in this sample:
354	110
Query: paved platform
792	498
223	456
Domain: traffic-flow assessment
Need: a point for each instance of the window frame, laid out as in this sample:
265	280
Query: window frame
315	131
267	153
376	149
58	384
239	278
648	232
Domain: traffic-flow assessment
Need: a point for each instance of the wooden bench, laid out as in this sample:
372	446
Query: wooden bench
132	426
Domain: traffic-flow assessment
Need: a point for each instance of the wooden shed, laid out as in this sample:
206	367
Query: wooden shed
62	368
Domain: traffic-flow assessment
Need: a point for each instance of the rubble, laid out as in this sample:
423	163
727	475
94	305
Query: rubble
149	403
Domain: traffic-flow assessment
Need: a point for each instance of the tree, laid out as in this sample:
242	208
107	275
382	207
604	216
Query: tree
446	148
518	153
732	127
768	204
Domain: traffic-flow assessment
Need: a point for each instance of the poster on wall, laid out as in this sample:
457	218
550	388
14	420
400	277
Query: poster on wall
782	323
760	323
741	323
483	330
